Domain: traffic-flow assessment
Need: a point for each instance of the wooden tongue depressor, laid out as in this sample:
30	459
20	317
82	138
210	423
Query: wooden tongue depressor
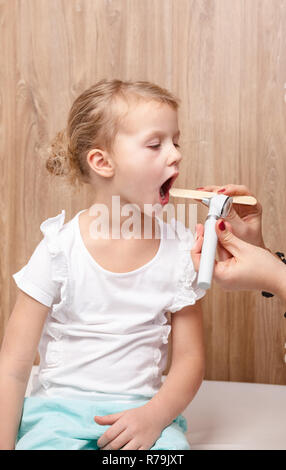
193	194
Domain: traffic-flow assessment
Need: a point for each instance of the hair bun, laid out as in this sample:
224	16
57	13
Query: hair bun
58	160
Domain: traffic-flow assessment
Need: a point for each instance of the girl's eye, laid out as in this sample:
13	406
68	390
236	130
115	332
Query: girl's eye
158	145
154	146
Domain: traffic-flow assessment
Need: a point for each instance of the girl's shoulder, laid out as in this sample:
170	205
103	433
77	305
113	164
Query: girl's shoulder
53	225
55	228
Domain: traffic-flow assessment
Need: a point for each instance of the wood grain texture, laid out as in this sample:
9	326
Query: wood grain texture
225	60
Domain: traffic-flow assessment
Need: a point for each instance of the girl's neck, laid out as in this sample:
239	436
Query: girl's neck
110	220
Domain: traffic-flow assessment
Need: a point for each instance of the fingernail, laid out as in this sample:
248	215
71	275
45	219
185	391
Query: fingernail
221	190
221	226
200	188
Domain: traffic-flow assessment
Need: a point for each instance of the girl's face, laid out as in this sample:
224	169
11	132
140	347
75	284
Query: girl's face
146	154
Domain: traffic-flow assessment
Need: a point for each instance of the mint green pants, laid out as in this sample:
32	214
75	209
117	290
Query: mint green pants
60	424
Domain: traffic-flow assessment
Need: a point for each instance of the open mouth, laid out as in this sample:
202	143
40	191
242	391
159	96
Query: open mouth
165	188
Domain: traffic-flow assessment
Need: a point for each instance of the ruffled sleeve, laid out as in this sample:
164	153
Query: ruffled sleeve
42	276
187	292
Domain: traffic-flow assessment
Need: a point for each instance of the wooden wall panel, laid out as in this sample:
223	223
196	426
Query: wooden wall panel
225	60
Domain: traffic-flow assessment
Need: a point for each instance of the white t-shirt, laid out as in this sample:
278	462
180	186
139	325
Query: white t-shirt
106	333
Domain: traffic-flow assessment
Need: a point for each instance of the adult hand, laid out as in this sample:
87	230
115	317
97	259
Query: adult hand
134	429
246	221
242	266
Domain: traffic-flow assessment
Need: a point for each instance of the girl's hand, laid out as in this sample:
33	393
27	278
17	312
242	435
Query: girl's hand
246	221
134	429
241	266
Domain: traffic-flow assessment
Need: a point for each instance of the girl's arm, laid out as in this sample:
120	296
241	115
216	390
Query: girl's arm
140	427
17	356
187	365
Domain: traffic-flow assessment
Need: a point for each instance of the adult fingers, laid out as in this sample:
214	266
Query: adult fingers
227	240
197	247
236	190
211	188
223	254
230	189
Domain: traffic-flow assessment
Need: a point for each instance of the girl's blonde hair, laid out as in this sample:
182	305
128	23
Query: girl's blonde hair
93	122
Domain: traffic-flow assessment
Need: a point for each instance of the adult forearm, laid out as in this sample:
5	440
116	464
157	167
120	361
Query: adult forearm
179	388
12	393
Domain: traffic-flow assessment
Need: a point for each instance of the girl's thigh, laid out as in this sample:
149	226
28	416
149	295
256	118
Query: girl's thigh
57	425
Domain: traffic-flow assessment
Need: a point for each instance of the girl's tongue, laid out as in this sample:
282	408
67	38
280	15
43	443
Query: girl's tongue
164	191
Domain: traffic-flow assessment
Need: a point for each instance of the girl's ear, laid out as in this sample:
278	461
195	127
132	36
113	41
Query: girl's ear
100	162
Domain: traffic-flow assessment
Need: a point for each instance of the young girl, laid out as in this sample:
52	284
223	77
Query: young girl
97	306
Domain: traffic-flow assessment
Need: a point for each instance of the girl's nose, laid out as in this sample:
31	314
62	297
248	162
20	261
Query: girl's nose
174	156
